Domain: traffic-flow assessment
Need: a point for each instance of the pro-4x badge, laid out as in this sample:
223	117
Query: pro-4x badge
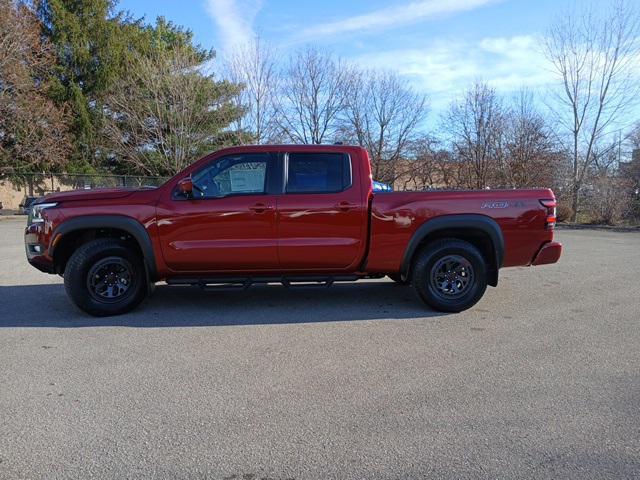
495	204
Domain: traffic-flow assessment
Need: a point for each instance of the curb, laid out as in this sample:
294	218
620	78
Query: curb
606	228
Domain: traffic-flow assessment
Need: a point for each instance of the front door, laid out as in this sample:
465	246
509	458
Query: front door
321	218
228	224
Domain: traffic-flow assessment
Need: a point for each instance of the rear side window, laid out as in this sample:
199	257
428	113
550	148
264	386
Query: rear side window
318	172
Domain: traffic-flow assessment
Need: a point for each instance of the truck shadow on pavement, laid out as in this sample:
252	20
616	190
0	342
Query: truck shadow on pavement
48	306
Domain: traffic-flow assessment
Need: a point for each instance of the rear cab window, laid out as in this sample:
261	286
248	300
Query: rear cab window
318	172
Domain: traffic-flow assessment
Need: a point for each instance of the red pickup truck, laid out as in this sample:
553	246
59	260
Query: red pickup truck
295	214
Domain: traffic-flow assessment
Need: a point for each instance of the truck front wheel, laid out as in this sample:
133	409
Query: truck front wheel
450	275
396	277
105	277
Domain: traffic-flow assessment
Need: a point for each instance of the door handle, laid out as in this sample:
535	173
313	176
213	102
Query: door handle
260	207
345	206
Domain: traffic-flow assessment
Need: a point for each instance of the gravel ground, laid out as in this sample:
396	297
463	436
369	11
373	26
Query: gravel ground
540	380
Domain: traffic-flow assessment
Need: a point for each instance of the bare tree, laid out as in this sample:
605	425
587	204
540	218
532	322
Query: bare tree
421	168
448	169
34	131
476	128
607	156
632	167
168	112
532	158
596	60
254	66
634	138
384	115
609	199
312	96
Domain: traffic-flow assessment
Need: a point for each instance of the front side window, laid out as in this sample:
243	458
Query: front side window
318	172
244	174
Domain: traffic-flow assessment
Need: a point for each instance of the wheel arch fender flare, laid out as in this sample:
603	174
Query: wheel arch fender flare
461	222
119	222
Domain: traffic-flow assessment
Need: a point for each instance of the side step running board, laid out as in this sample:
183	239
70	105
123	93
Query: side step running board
243	283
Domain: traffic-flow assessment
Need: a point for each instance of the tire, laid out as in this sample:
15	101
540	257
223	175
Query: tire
398	279
105	277
450	275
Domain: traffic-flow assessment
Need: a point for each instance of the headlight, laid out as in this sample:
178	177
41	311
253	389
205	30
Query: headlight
35	214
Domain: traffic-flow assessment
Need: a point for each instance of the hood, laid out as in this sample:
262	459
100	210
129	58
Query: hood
92	194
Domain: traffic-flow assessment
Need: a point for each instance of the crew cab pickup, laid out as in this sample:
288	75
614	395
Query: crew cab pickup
294	214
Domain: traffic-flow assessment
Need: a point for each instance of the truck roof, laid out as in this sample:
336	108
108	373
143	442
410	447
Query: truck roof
280	147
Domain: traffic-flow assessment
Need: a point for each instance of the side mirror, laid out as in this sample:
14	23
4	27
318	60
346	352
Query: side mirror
186	186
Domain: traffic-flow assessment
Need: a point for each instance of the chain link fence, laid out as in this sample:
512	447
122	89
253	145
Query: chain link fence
16	190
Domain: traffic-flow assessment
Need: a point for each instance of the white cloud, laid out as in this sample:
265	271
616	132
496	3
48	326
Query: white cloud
234	19
443	69
391	17
508	45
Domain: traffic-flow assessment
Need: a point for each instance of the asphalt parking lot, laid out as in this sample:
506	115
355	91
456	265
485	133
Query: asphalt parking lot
540	380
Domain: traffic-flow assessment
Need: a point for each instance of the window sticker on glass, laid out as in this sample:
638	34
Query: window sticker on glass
247	180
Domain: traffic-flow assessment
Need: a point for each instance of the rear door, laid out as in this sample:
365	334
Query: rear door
229	224
321	216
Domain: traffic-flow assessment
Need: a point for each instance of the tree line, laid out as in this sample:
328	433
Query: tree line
86	88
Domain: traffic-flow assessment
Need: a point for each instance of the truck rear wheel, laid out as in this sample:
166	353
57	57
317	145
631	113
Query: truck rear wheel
450	275
105	277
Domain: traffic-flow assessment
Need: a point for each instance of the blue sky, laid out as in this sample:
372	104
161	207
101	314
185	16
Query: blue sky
441	46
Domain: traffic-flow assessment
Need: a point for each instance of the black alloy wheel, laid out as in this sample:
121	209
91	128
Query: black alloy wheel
110	279
449	275
106	277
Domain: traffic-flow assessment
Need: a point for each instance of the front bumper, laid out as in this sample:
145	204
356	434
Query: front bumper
36	249
549	253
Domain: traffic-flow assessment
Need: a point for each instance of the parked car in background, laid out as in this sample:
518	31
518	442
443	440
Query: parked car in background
26	205
290	214
381	187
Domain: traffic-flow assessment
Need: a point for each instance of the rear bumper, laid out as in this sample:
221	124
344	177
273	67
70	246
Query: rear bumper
549	253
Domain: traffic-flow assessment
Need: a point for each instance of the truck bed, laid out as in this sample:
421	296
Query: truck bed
395	217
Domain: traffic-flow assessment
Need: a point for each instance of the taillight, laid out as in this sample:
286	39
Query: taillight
550	205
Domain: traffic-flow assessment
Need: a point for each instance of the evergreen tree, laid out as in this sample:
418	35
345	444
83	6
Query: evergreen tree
94	45
168	112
